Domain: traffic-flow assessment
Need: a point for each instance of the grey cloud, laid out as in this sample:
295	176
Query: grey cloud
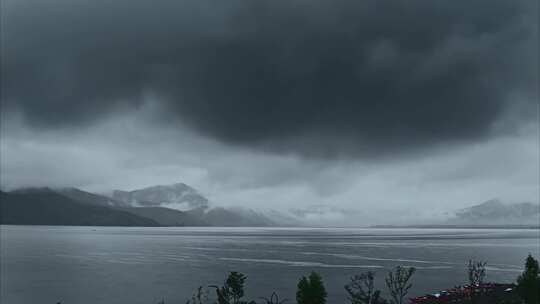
318	78
136	153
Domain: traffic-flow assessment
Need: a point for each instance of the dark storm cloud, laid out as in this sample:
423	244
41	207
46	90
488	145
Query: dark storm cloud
313	77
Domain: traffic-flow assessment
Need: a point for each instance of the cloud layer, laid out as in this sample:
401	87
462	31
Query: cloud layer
345	111
317	78
135	154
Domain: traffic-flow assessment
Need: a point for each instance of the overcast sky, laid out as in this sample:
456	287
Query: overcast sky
337	105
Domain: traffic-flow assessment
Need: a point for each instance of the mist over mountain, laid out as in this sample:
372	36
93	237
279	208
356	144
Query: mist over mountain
161	205
220	216
181	205
326	215
195	208
495	212
90	198
177	196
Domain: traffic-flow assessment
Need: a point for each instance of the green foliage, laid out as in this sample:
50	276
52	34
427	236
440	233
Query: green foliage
477	272
361	289
302	291
398	284
235	284
311	290
529	282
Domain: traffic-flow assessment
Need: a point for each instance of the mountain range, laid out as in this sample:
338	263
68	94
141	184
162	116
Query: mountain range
182	205
169	205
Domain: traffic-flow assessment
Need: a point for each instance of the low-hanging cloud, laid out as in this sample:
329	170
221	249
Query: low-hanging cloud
309	77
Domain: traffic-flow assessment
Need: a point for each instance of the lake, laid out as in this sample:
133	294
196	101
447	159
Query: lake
144	265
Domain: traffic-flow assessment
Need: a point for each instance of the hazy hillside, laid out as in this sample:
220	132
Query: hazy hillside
166	216
490	214
46	207
163	216
236	217
193	207
90	198
495	212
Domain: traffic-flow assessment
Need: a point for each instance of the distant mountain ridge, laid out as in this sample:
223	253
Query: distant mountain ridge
492	214
495	212
181	205
162	205
46	207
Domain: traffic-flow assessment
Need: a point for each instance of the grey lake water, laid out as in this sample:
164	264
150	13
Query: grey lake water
145	265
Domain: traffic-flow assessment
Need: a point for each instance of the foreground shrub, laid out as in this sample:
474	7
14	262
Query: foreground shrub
528	283
311	290
477	272
398	284
232	290
361	289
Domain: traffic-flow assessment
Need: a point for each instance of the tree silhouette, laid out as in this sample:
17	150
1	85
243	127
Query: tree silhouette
398	284
529	282
361	289
232	290
200	296
477	272
235	284
311	290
